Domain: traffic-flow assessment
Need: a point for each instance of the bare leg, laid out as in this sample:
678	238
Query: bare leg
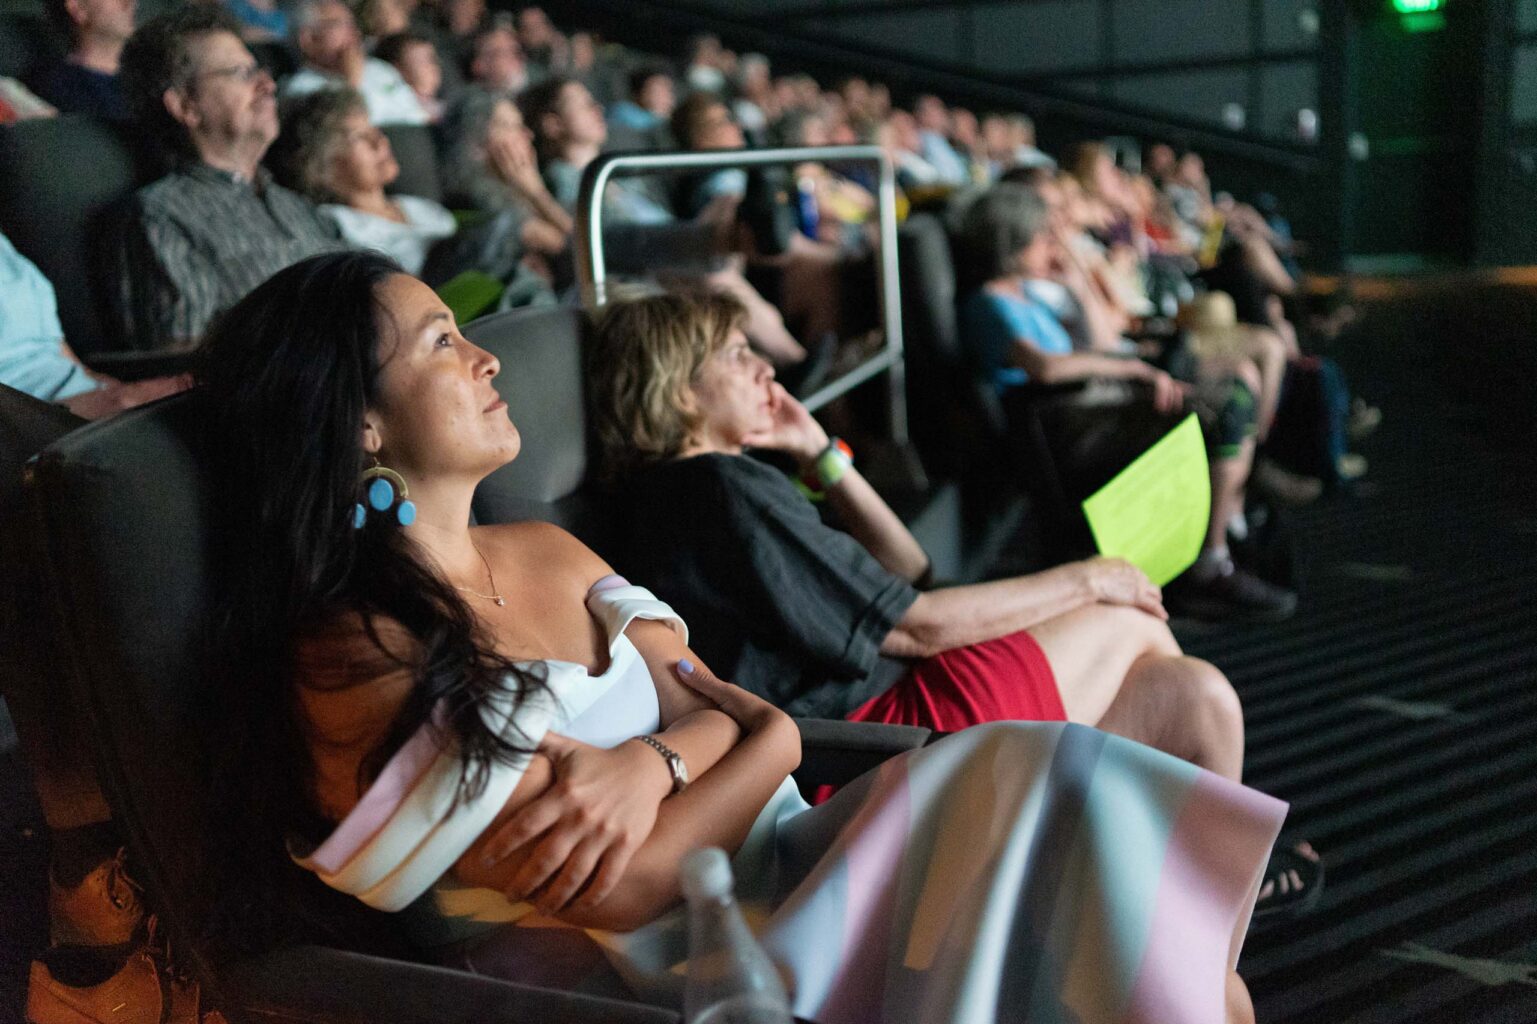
1259	369
765	328
1121	670
1227	480
1240	1008
812	293
1275	311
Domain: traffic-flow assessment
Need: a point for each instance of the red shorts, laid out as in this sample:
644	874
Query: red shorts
1007	679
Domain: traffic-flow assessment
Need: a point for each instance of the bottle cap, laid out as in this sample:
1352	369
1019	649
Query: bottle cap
706	874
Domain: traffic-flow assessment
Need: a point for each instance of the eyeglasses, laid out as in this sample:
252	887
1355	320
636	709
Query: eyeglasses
245	74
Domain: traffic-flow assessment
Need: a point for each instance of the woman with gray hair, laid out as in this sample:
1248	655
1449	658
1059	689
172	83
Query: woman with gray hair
330	152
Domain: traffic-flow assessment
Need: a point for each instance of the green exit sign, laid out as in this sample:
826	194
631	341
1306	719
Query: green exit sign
1417	6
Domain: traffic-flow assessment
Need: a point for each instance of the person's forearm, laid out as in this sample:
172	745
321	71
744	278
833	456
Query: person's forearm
701	738
956	616
716	810
548	209
879	531
1083	365
1101	319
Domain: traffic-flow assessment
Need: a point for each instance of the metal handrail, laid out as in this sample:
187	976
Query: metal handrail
593	275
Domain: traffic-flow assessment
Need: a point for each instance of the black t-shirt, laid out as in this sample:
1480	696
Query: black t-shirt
776	601
80	90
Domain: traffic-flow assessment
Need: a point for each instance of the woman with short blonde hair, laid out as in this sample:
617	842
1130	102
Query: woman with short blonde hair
641	406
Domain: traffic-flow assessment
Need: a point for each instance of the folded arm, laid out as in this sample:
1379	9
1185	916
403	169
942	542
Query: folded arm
594	837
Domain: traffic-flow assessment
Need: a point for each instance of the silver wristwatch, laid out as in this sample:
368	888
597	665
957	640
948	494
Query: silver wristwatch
674	761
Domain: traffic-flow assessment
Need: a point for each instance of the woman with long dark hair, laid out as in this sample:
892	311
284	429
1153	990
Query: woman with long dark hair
485	726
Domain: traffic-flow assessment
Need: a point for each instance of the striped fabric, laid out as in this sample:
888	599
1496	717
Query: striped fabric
1040	872
1035	872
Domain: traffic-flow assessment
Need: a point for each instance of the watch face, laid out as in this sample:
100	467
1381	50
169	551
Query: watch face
679	772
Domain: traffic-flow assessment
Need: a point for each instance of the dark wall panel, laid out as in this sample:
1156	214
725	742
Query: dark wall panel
1283	25
1165	30
1285	89
1526	15
925	35
1194	95
1523	86
1023	39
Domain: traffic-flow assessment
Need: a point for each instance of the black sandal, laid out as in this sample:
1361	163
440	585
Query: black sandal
1292	885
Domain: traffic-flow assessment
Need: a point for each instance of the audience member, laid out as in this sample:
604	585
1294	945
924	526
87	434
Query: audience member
845	209
933	121
492	166
828	624
459	21
416	58
493	170
496	61
1120	407
261	21
901	138
340	650
595	66
379	19
1026	153
333	53
703	122
546	51
330	152
754	108
966	140
702	65
569	132
35	359
640	121
808	280
86	80
217	225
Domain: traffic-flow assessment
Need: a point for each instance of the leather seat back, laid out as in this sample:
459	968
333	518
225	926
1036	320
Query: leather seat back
540	351
63	183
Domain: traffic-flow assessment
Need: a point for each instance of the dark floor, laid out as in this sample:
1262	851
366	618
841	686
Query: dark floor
1397	711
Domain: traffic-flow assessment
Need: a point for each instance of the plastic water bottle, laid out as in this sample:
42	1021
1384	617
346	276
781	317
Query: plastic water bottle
730	979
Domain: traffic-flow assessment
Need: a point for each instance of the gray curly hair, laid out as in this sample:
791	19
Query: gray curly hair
311	129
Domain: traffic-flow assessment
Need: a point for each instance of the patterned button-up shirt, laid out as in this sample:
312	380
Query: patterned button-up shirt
198	240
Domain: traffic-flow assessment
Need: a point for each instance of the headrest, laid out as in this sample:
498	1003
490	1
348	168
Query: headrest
417	155
122	510
541	381
61	180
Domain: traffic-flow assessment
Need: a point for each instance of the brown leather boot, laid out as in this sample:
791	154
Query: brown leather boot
141	992
103	910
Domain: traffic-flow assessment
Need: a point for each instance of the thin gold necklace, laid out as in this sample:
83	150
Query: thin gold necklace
493	596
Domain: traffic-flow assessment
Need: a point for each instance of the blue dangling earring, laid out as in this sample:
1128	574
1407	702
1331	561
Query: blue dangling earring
380	486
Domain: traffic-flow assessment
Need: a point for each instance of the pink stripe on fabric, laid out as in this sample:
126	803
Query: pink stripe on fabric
1217	849
873	863
613	581
383	798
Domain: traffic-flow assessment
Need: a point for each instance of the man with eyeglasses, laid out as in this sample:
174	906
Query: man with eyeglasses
332	46
216	226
